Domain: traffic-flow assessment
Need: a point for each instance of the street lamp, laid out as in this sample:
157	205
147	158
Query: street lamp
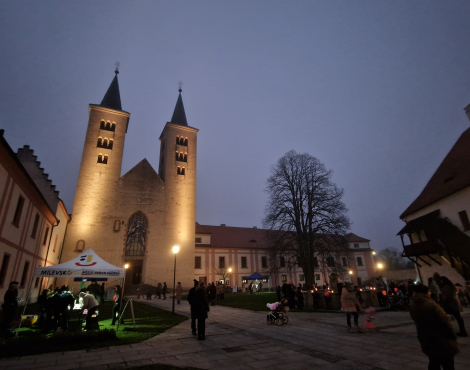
229	271
175	251
350	272
126	266
380	266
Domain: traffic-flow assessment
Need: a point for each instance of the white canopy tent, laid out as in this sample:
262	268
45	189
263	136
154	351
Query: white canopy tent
86	265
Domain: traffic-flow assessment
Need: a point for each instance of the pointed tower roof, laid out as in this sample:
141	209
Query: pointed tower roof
179	116
112	98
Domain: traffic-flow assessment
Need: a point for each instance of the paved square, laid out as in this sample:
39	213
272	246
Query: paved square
240	339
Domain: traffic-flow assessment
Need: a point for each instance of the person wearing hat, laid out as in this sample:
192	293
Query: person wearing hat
435	333
9	306
191	301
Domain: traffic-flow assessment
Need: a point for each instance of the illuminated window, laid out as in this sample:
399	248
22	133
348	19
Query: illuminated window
18	211
284	278
244	281
317	276
136	235
197	262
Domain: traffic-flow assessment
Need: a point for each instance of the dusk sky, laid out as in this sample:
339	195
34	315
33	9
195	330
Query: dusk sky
373	89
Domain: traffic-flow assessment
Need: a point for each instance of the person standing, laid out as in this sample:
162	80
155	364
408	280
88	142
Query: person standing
191	301
96	291
450	302
117	304
351	306
434	329
164	290
179	292
260	287
201	307
9	306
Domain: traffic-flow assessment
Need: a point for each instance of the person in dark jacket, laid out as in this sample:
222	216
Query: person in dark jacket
450	302
96	291
117	304
434	329
9	306
164	290
201	307
191	301
299	298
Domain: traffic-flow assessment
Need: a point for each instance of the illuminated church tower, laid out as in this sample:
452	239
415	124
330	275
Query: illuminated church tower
139	217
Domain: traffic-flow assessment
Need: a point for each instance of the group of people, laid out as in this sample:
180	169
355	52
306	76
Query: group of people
293	294
159	291
253	286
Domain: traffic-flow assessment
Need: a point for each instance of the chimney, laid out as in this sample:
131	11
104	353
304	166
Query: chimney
255	227
223	225
467	110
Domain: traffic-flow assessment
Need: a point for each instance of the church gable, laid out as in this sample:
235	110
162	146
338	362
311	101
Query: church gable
141	177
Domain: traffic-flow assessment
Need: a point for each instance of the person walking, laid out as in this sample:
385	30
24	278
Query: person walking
434	329
351	306
201	307
179	292
9	306
191	301
117	304
450	302
164	290
158	291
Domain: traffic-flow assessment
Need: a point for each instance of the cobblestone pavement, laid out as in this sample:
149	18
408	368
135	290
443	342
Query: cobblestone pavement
240	339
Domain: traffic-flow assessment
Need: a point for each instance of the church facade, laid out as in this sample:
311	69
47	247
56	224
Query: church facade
137	218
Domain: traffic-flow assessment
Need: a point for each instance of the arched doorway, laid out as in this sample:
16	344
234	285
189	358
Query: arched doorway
135	247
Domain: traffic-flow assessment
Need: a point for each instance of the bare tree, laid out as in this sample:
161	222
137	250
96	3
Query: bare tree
392	259
223	272
305	214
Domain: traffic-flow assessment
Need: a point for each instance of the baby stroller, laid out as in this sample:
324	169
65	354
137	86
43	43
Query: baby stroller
276	313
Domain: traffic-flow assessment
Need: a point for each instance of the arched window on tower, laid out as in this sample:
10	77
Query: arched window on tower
108	126
110	144
185	143
105	143
100	158
181	159
178	170
177	156
100	143
185	158
136	235
102	125
105	159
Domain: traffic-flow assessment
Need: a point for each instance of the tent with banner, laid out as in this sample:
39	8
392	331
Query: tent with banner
86	265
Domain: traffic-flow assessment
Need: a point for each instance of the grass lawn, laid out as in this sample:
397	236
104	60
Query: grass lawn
149	321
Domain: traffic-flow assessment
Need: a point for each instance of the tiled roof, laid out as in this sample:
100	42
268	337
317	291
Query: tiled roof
355	238
244	237
234	237
452	176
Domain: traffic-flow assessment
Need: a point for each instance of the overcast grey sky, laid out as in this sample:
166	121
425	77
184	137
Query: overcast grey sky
374	89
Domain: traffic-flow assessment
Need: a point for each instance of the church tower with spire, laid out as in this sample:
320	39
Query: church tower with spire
137	218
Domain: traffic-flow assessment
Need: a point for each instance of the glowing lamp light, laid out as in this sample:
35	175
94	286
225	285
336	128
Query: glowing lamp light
126	266
350	272
373	252
176	249
230	270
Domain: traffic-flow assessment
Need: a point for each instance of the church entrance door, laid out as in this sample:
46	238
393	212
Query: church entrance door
134	272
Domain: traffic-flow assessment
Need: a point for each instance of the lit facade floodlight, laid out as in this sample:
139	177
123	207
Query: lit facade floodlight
126	266
350	272
230	270
176	249
380	266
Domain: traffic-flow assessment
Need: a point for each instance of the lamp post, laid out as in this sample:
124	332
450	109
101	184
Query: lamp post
175	251
126	266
